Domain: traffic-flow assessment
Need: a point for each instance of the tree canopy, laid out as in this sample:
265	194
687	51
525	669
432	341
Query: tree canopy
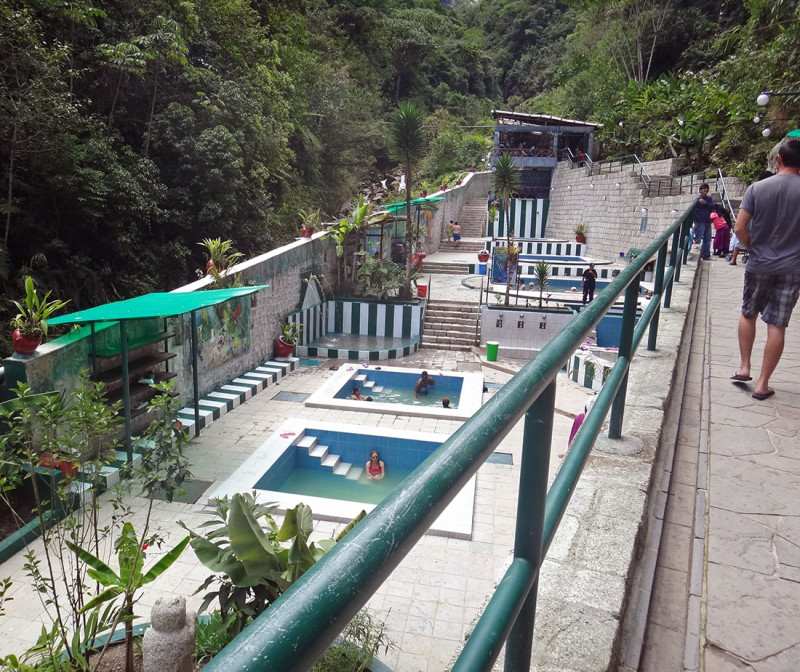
131	131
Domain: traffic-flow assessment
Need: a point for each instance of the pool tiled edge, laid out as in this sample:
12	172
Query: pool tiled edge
454	521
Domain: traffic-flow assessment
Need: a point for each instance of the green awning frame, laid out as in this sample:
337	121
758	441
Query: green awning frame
392	207
153	306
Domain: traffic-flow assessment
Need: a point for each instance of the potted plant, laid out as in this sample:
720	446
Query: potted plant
220	255
290	334
30	323
483	256
310	221
443	186
580	233
423	193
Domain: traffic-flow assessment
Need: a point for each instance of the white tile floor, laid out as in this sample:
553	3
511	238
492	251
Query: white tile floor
429	600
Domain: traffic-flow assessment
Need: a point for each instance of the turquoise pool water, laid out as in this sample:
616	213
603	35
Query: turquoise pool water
395	387
298	471
327	484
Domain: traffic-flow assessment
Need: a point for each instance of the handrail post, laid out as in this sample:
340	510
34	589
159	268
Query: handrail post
673	261
625	348
686	232
533	473
657	291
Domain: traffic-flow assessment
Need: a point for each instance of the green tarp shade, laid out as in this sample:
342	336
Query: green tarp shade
150	306
157	304
417	201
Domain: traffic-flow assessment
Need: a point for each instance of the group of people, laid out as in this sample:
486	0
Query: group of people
454	231
710	216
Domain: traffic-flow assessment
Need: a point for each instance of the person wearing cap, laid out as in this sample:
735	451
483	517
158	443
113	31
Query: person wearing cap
768	225
702	221
589	282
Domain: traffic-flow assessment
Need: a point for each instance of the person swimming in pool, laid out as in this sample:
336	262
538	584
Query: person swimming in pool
424	384
375	467
358	396
446	402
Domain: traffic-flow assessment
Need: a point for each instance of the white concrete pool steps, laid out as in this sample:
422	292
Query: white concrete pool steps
328	459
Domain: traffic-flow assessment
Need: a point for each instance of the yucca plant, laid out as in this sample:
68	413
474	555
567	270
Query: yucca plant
506	181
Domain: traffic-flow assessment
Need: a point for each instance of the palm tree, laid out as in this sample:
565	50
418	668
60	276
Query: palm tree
542	275
506	181
408	144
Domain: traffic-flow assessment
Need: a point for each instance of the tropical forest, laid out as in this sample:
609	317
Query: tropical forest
131	131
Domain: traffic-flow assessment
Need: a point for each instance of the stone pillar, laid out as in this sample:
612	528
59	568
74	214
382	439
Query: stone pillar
169	641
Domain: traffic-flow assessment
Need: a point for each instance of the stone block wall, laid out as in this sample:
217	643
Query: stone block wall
455	198
610	205
56	365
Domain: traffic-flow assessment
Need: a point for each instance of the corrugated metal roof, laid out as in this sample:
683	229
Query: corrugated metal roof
509	118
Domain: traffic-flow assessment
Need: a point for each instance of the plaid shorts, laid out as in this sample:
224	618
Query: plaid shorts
774	296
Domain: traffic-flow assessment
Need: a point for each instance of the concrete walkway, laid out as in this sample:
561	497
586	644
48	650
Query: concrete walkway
727	584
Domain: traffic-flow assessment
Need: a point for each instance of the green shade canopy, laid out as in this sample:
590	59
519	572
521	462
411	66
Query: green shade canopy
157	304
417	201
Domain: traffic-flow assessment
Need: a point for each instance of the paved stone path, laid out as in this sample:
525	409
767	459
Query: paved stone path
727	588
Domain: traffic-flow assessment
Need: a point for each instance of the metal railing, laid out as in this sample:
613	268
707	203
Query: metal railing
618	164
301	624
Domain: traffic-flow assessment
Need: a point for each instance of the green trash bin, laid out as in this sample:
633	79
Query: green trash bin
491	350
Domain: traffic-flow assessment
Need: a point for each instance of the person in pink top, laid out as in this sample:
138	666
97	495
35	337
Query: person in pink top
577	422
375	467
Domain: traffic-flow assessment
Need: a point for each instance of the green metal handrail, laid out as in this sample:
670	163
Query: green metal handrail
302	623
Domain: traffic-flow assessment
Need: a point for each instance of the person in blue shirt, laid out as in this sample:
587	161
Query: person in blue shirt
702	221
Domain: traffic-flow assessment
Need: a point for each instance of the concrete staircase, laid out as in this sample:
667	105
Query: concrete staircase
450	325
328	459
445	267
462	246
473	218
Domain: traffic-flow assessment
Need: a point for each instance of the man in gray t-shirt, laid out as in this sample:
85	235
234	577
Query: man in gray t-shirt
768	225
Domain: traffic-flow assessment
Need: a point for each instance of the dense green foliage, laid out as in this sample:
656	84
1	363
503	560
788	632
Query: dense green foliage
131	131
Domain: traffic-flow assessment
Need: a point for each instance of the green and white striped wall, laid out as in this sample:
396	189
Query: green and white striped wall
585	370
372	320
528	219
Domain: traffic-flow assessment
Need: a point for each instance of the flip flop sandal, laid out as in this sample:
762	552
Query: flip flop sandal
766	395
740	378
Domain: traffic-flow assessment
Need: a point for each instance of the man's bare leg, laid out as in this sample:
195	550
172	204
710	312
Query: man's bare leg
747	336
772	355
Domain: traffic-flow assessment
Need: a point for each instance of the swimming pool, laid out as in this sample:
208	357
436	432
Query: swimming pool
391	388
291	467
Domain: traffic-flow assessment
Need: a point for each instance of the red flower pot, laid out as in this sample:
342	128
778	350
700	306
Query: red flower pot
483	257
69	469
580	239
444	186
24	345
305	232
283	349
423	194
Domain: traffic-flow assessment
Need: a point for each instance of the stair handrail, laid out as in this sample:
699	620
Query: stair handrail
726	201
300	625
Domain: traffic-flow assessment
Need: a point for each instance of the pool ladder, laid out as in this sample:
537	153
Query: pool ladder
328	459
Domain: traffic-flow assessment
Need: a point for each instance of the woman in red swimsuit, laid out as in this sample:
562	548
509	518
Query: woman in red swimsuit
375	467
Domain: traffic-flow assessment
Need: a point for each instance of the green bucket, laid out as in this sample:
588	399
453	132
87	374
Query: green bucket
491	350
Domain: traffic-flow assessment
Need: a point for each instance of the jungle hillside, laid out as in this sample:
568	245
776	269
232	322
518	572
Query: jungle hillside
130	131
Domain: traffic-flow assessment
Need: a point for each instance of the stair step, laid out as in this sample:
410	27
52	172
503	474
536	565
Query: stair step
377	388
307	442
331	460
342	468
354	473
361	378
369	384
319	451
